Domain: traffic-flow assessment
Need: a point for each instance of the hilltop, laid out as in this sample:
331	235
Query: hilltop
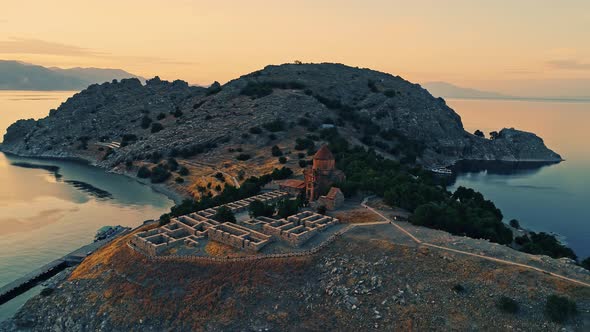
248	115
373	278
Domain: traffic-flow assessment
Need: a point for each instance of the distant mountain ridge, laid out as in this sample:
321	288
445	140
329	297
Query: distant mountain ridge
448	90
16	75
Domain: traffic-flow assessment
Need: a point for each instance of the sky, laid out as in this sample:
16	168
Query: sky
500	45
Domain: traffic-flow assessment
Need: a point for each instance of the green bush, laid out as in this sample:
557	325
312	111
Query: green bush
508	305
514	223
146	122
183	171
243	156
255	130
282	160
161	116
156	127
547	244
224	214
304	144
559	309
47	291
144	172
274	126
302	163
262	89
276	151
159	174
258	209
179	180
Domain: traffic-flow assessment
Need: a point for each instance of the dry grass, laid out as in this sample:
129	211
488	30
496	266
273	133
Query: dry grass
214	248
356	216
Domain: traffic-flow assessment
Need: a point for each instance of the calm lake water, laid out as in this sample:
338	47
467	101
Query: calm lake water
553	198
43	217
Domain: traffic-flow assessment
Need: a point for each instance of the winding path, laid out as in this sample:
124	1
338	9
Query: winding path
493	259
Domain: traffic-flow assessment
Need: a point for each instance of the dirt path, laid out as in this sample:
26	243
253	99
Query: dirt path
493	259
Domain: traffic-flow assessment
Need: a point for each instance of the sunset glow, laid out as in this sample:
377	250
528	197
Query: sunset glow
475	43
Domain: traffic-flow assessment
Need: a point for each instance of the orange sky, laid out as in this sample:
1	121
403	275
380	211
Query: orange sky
466	42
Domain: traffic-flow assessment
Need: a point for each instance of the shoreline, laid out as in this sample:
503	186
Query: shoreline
177	198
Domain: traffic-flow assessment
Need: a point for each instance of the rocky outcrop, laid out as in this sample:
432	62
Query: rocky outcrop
379	109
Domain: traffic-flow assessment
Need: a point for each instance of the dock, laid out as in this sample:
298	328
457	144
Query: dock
32	279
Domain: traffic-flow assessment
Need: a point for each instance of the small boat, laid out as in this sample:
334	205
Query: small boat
441	170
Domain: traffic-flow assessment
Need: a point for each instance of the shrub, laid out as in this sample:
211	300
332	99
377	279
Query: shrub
146	122
586	263
276	151
261	89
258	208
144	172
243	156
372	86
224	214
183	171
274	126
281	174
321	209
547	244
282	160
156	127
458	288
304	144
507	305
220	176
177	113
159	174
47	291
302	163
172	164
179	180
255	130
301	155
559	309
164	219
521	240
514	223
161	116
479	133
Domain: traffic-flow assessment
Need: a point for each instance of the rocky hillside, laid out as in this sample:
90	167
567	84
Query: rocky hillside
397	117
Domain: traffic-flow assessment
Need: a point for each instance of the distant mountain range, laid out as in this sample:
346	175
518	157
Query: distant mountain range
16	75
448	90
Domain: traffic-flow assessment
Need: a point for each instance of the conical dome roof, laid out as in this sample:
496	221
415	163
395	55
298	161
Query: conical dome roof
323	154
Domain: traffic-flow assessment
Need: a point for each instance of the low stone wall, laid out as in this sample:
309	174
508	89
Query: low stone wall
223	260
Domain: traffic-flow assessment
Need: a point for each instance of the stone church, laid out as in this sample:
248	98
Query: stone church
321	176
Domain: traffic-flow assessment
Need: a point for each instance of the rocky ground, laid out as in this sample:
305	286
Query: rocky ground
370	279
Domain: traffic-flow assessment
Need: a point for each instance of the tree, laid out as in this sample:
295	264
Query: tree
282	160
257	208
586	263
559	308
224	214
288	207
144	172
276	151
514	223
183	171
156	127
494	135
479	133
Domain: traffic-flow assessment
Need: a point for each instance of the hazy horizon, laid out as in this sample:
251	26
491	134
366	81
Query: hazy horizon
525	48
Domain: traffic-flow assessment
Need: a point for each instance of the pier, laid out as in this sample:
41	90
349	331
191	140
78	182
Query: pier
32	279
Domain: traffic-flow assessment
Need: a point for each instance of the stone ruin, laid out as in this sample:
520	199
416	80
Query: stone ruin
250	235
